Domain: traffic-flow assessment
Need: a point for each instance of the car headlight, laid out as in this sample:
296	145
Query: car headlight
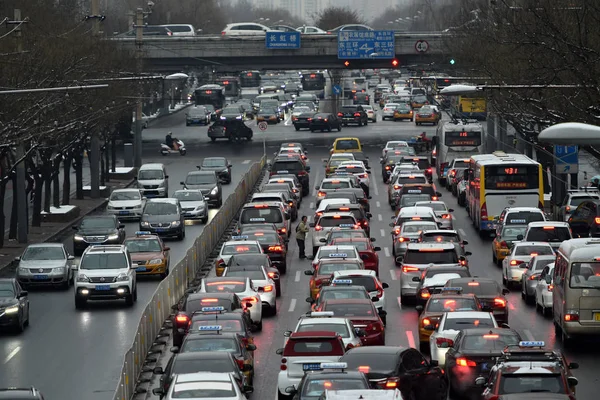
200	207
175	223
12	309
156	261
145	223
215	190
112	237
123	278
82	278
78	238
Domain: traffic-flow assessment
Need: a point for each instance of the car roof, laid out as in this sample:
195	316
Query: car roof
202	376
333	247
348	301
415	211
168	200
218	295
319	320
361	272
152	166
313	334
211	355
524	209
434	232
377	350
239	242
519	244
46	244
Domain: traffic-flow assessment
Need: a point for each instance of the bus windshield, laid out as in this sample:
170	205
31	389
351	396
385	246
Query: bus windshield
512	177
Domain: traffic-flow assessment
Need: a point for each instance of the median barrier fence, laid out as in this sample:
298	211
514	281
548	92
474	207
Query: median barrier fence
173	287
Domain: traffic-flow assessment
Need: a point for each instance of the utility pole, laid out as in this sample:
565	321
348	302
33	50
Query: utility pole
95	12
139	35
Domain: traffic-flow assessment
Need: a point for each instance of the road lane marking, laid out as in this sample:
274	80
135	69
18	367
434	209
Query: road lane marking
399	302
311	205
528	334
375	189
382	232
12	354
297	278
379	217
411	339
393	274
387	251
246	161
462	233
378	204
292	305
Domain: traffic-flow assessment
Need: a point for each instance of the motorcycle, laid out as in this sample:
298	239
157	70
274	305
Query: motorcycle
164	149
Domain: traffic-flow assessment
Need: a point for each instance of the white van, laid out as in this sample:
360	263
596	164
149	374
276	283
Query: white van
153	181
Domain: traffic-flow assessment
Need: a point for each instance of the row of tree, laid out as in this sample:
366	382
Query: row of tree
48	131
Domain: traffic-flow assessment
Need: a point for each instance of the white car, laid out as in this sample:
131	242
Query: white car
392	145
326	321
388	110
441	211
126	203
342	252
223	385
450	325
324	203
543	290
371	114
407	168
245	29
515	264
311	30
260	281
242	287
357	169
366	278
232	247
193	204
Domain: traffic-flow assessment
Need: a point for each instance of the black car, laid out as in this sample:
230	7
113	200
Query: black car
302	121
402	368
292	87
232	112
208	183
287	165
96	230
218	164
204	361
361	98
272	244
473	353
422	162
585	220
163	217
197	116
14	306
354	114
314	383
387	165
359	194
488	291
270	115
228	129
324	122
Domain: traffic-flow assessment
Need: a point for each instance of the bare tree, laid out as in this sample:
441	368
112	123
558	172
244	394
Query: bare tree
333	17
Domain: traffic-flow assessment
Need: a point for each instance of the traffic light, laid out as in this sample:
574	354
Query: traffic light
395	63
347	63
452	62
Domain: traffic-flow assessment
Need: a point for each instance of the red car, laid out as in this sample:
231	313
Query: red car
363	314
368	253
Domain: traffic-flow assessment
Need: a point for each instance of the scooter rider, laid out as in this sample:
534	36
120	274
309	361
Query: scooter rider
170	141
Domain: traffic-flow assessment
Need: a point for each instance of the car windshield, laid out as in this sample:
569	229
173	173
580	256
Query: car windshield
214	162
343	294
7	290
531	383
197	113
203	390
340	329
97	223
330	268
43	253
255	275
451	305
300	110
380	362
229	285
347	144
316	387
143	245
554	234
104	261
459	324
209	107
352	169
489	342
125	195
328	222
365	281
188	195
431	257
409	200
263	237
577	200
212	344
201	179
412	228
527	250
523	217
159	208
227	325
231	110
231	249
203	365
258	215
351	310
511	233
150	175
585	275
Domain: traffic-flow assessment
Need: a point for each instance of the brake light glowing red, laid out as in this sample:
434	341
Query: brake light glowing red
463	362
182	319
499	302
275	248
268	288
410	269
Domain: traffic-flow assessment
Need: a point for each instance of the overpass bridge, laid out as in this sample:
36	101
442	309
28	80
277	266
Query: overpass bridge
235	53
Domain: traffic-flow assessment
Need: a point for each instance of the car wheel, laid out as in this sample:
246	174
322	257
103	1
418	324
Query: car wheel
297	128
212	139
339	128
129	300
164	274
220	202
20	325
259	326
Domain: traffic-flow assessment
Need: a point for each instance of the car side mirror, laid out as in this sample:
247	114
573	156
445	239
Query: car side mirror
376	248
468	253
369	215
505	292
434	363
323	240
70	258
158	391
416	279
464	242
251	347
23	293
369	171
419	309
308	272
369	197
486	308
480	381
174	349
573	365
287	333
385	285
519	237
312	224
175	307
158	371
279	351
505	326
307	168
290	390
450	210
572	381
182	183
399	260
310	300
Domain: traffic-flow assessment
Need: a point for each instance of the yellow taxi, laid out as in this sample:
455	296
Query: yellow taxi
321	275
418	101
426	115
450	300
346	145
334	162
402	112
149	253
505	236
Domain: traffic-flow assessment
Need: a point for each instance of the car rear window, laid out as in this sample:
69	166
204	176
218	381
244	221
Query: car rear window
229	285
409	200
343	294
440	237
330	268
357	212
317	347
230	325
528	250
212	344
349	144
459	324
355	233
477	288
271	215
365	281
577	200
328	222
489	342
548	234
231	249
422	163
451	305
417	228
460	164
523	217
430	257
326	253
402	220
264	237
193	305
407	180
335	185
360	246
421	189
290	166
350	310
340	329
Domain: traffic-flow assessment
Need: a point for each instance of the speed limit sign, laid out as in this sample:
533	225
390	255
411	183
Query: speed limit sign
263	125
421	46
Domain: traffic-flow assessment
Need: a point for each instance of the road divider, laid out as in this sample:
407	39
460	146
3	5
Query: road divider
171	289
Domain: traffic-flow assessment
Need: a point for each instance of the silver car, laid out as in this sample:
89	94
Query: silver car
514	265
45	264
532	274
193	204
441	211
410	233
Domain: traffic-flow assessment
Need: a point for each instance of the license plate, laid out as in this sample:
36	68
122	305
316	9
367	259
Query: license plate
102	287
140	269
311	367
40	277
597	316
160	230
123	212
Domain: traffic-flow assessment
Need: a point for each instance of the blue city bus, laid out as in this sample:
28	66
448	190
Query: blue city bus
210	94
313	81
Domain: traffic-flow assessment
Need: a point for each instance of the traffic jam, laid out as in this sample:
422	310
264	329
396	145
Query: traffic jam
465	349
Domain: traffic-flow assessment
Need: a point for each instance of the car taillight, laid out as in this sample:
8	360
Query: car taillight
319	213
446	216
463	262
434	152
321	194
282	230
397	231
403	239
182	319
275	248
534	277
484	214
429	170
391	383
272	275
396	187
309	119
499	302
571	317
597	220
387	167
386	109
440	341
283	365
240	363
425	294
363	176
407	268
568	208
374	327
223	33
268	288
340	114
357	114
318	228
291	203
379	292
513	262
550	287
463	362
251	299
503	244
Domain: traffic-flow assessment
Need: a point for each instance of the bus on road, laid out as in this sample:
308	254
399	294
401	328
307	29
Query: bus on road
469	107
456	140
313	81
250	79
210	94
500	180
231	85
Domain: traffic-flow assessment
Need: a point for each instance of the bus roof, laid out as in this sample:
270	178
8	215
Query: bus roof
500	157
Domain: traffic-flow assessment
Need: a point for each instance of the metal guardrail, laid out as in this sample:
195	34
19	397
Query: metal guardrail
172	288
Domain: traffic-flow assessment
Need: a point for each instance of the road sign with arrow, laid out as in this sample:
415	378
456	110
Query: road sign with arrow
366	45
566	159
